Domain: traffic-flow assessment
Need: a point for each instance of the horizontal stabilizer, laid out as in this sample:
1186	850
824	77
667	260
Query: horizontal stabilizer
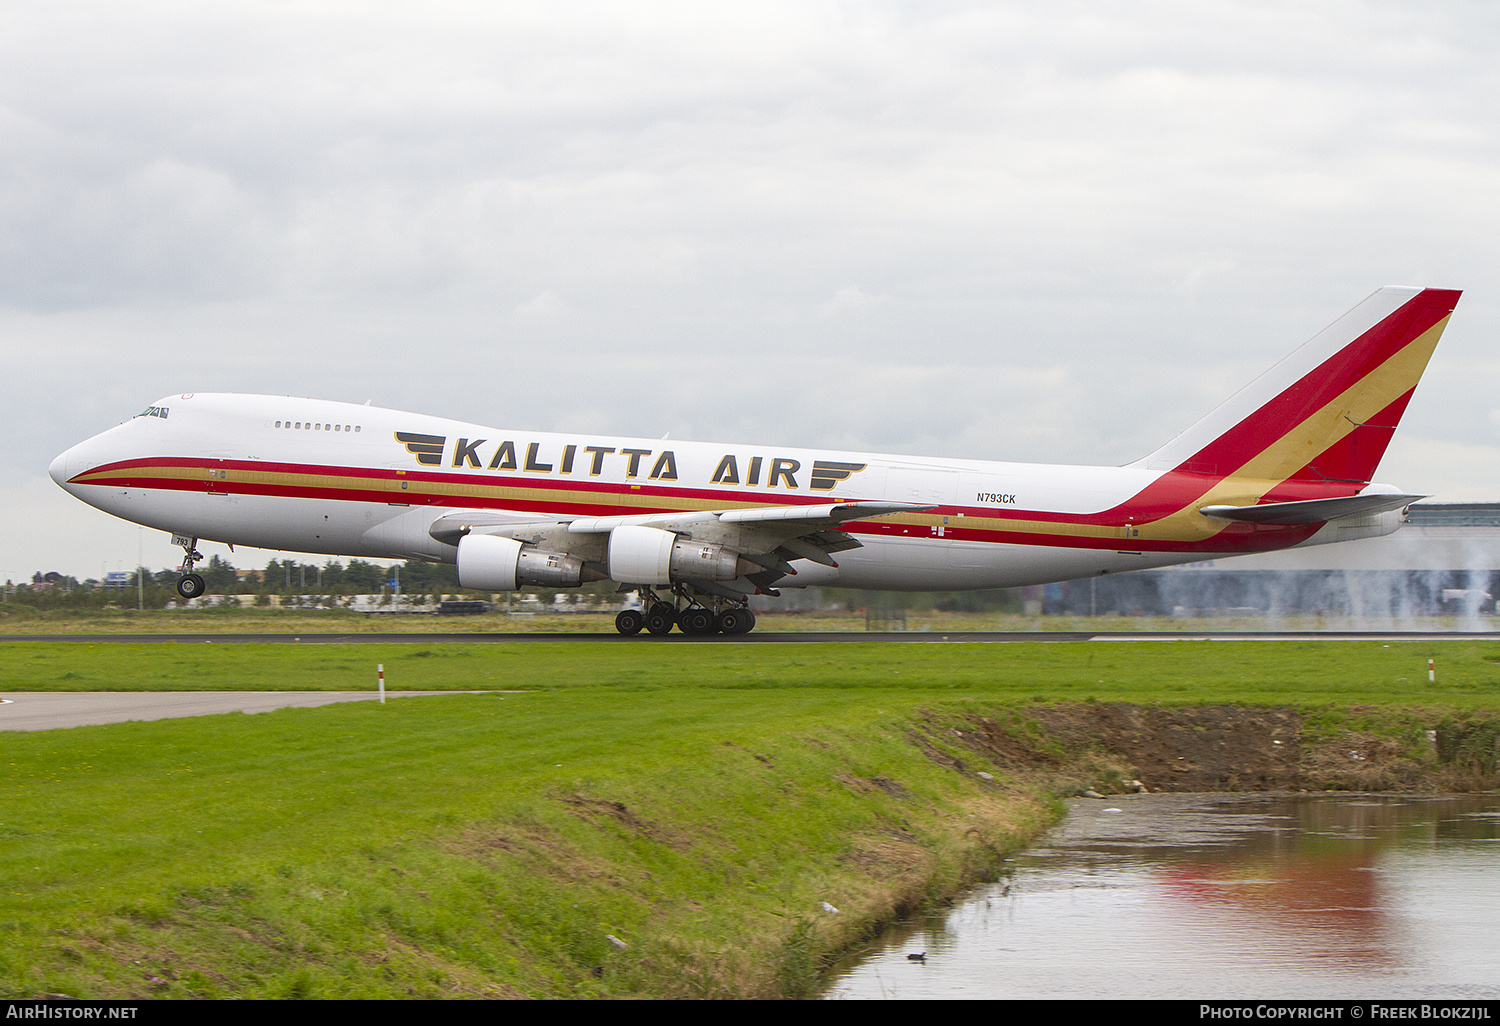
1313	511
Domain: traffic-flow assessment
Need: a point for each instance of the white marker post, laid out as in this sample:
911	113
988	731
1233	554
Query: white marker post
1431	672
380	672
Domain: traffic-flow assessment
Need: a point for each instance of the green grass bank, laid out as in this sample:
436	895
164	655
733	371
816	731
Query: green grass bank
636	821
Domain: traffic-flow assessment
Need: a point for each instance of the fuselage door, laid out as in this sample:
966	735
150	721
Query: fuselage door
397	487
217	475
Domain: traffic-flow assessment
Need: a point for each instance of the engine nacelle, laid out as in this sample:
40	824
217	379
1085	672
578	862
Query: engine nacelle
700	561
640	555
649	555
490	563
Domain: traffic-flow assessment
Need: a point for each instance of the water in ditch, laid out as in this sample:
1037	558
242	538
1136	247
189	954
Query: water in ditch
1222	896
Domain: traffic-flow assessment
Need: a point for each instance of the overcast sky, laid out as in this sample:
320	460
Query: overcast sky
1056	233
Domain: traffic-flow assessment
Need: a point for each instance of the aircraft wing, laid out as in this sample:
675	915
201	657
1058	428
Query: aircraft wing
801	519
1312	511
806	519
770	537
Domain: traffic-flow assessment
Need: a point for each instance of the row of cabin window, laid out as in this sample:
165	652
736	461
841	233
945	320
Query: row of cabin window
300	426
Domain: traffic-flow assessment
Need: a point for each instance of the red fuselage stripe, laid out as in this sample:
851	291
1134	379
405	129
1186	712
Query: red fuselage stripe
1234	538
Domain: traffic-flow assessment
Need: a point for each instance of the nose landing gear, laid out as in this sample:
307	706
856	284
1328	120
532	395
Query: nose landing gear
189	585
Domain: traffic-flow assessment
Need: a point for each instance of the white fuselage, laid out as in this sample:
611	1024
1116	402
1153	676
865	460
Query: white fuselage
310	475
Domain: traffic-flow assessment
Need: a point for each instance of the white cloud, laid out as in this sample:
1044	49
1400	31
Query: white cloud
1449	471
544	304
848	299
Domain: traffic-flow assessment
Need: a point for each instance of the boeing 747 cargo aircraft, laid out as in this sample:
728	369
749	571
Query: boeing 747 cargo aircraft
699	527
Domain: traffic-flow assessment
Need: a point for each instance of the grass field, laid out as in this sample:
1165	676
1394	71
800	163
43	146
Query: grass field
698	803
1292	672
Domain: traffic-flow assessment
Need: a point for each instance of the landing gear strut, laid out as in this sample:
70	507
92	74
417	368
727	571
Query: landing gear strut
189	585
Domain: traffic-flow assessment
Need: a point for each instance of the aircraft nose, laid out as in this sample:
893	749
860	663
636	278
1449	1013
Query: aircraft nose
58	471
70	464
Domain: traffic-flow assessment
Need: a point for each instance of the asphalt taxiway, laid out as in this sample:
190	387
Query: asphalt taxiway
51	710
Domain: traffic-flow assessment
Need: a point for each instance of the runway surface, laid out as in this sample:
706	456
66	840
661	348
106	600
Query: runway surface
36	710
788	638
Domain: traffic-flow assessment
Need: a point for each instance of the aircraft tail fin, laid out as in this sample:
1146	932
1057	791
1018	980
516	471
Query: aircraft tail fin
1327	411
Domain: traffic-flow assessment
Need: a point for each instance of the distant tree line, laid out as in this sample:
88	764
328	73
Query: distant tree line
279	577
285	577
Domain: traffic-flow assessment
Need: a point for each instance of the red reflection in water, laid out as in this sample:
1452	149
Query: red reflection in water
1310	890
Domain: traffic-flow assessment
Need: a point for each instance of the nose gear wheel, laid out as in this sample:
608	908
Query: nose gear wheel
190	585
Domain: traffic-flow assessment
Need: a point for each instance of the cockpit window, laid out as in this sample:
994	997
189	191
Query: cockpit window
154	411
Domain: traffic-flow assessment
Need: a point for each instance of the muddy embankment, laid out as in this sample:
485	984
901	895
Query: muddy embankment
1112	747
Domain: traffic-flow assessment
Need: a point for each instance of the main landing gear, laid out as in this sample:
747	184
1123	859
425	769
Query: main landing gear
659	616
189	585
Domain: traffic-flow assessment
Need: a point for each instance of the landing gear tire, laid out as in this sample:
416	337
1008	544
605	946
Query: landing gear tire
190	586
658	622
735	621
630	621
696	620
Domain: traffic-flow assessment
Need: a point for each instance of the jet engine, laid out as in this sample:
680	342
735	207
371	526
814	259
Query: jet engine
649	555
490	563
